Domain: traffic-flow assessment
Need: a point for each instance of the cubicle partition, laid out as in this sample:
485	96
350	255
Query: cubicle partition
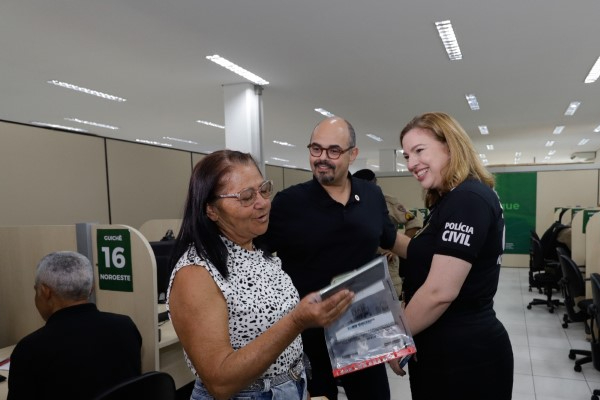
592	250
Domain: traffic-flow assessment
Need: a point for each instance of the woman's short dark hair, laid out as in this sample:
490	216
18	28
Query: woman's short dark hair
208	178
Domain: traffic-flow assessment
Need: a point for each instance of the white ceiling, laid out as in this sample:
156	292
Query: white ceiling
377	63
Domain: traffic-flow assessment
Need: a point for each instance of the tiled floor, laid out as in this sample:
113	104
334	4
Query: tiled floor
543	370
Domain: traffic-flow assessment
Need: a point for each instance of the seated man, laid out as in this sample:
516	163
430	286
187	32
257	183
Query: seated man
81	351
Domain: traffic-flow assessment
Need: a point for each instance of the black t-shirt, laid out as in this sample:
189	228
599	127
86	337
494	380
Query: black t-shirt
466	223
318	238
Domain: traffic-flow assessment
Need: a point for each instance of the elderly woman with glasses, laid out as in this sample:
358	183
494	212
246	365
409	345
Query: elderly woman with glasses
237	314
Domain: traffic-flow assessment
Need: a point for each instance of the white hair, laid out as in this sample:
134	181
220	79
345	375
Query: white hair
68	273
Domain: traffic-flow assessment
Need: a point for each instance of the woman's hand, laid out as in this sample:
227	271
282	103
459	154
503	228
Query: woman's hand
313	312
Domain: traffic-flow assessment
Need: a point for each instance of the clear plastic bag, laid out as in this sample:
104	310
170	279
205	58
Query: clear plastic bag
372	330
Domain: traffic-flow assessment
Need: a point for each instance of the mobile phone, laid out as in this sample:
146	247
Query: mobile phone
404	361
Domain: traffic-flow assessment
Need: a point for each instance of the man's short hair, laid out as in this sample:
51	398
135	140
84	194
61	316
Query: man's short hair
365	174
67	273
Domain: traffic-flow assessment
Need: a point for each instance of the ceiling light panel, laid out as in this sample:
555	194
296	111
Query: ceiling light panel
86	91
56	126
472	100
244	73
446	32
572	108
210	124
558	130
153	142
583	142
597	129
283	143
490	146
374	137
324	112
594	72
550	143
179	140
79	121
483	129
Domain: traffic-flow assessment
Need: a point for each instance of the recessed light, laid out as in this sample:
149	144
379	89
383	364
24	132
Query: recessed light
283	143
210	124
179	140
56	126
482	156
374	166
558	130
594	72
324	112
244	73
490	146
550	143
597	129
154	142
582	142
472	100
573	106
92	123
552	152
289	166
483	129
518	154
374	137
279	159
547	158
86	91
448	37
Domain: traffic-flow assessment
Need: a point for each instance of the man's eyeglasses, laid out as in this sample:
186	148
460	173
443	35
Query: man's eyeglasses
333	152
247	197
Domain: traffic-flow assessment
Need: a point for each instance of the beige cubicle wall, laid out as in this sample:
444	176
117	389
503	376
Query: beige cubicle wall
21	248
51	177
406	189
146	182
155	229
196	157
276	175
294	176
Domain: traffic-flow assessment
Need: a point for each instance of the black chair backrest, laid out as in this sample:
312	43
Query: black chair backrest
549	241
573	277
537	258
152	385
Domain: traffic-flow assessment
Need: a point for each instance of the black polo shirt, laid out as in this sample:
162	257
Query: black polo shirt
318	238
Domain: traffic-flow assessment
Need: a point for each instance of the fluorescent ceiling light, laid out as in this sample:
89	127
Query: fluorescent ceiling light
179	140
558	130
92	123
582	142
448	37
55	126
597	129
210	124
572	107
547	158
401	165
87	91
594	72
223	62
153	142
550	143
552	152
485	161
518	154
284	143
324	112
483	129
279	159
490	146
374	166
472	100
289	166
374	137
482	156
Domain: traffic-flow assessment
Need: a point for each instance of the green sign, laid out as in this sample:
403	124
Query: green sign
587	214
114	260
518	194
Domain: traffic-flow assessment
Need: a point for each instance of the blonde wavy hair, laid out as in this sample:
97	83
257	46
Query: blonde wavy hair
464	161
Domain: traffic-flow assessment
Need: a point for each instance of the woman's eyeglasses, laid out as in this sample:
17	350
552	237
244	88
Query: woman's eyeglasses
247	197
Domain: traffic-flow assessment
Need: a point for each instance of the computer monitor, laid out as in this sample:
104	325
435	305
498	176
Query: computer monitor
162	253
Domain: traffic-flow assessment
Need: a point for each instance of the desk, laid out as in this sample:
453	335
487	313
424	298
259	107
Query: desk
5	352
170	357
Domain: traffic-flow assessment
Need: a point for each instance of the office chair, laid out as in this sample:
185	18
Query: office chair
545	275
532	267
594	311
573	285
152	385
